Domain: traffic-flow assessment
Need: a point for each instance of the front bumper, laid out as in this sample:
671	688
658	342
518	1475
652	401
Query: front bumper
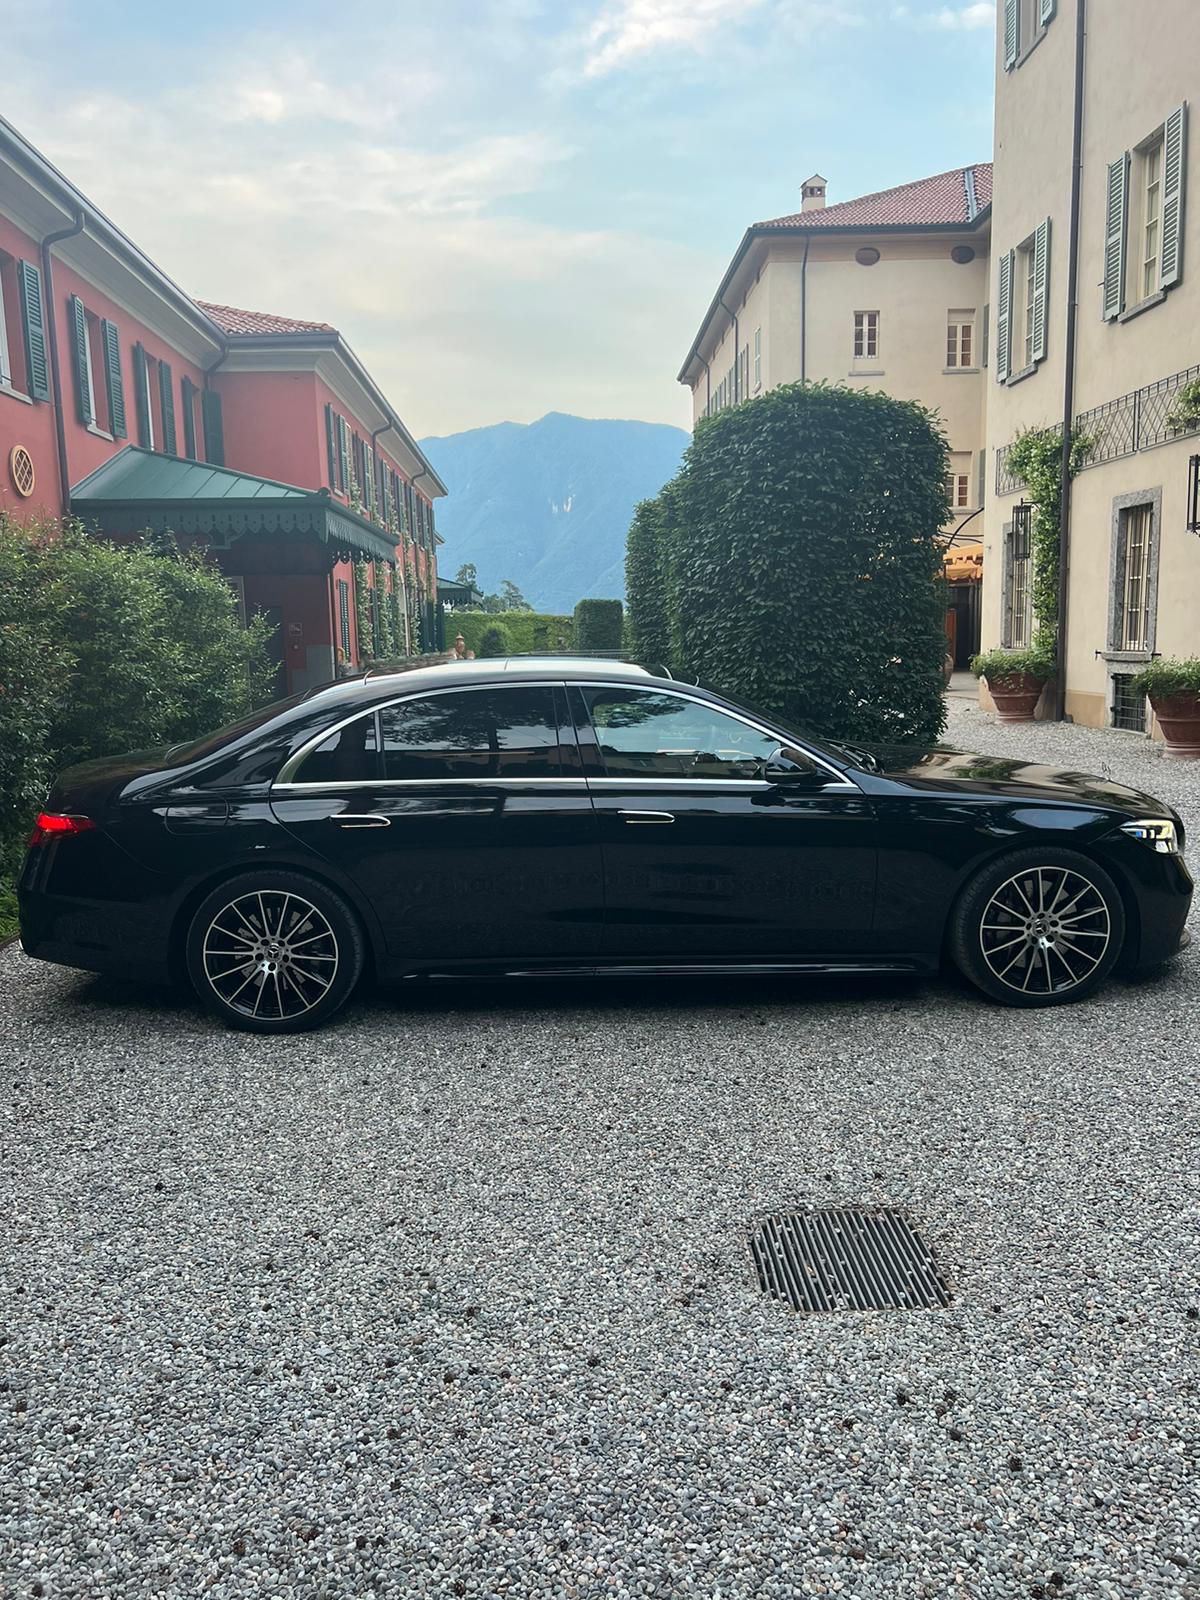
1158	896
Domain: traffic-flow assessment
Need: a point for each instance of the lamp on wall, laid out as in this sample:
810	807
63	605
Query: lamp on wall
1022	530
1193	496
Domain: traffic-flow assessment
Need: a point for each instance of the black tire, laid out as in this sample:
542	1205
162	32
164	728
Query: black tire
274	952
1039	927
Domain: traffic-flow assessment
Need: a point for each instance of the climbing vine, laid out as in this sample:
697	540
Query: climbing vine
1036	457
362	612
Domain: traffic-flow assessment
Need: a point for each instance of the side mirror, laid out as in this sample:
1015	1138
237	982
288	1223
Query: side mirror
792	769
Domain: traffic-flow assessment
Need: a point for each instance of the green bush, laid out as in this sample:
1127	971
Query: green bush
800	556
108	648
495	641
529	632
599	625
647	574
997	666
1162	679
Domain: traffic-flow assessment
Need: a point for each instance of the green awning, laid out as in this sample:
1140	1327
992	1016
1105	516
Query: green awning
138	490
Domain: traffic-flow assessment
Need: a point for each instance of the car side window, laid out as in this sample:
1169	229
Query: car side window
648	733
348	755
478	733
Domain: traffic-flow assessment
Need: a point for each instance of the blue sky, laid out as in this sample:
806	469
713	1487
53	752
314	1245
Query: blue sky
508	206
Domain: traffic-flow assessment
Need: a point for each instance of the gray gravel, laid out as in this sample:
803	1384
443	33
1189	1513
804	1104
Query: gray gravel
455	1298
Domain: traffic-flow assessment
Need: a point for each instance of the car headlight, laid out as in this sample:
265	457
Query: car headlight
1158	832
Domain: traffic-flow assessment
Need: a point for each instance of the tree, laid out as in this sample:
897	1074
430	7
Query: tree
647	581
512	598
467	574
796	559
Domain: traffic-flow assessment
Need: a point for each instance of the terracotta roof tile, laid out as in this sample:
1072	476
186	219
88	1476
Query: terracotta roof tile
929	201
230	320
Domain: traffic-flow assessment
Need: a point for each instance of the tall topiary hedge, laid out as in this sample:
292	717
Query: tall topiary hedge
647	580
494	641
599	625
799	554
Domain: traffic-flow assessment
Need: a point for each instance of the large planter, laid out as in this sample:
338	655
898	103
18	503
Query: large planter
1015	695
1179	718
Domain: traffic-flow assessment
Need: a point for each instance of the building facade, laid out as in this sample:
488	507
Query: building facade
1133	581
130	405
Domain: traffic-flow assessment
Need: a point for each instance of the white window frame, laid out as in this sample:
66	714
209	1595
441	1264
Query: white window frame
149	361
1147	258
757	359
93	420
6	378
1018	585
960	351
866	334
1026	265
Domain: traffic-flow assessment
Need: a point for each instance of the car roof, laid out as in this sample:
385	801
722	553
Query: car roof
411	677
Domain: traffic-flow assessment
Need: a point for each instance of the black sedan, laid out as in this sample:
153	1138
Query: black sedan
541	817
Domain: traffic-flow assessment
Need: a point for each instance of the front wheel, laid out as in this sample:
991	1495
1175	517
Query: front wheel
274	952
1038	928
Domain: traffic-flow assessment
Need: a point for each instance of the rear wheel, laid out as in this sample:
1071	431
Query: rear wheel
1038	928
274	952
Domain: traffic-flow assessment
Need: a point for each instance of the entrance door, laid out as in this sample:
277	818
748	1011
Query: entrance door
706	858
463	817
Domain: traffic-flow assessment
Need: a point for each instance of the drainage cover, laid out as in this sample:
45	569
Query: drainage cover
846	1261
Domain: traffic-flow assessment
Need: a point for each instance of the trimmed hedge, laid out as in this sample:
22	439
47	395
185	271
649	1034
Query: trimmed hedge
494	641
107	648
797	558
599	625
528	631
646	582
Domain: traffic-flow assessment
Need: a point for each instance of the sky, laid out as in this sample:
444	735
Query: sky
508	207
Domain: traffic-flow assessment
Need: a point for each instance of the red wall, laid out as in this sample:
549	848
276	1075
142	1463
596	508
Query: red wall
274	425
30	425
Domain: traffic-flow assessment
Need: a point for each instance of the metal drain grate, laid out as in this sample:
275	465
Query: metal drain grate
846	1261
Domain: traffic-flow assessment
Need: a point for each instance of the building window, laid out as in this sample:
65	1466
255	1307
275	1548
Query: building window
1028	299
960	339
866	335
1018	608
1137	531
8	341
1024	23
343	589
757	359
1128	709
958	487
1143	241
1022	305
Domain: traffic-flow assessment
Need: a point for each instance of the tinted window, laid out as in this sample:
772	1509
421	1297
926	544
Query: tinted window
643	733
480	733
347	756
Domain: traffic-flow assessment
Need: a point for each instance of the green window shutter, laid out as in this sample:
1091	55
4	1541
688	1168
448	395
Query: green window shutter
344	615
1115	217
111	339
368	478
385	496
343	456
1041	281
85	406
1174	180
166	400
188	392
37	367
330	453
1004	317
1046	10
140	397
987	317
1010	34
214	428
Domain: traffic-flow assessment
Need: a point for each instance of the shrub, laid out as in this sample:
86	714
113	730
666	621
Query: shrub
495	641
647	573
1162	679
106	648
801	559
599	625
998	666
529	632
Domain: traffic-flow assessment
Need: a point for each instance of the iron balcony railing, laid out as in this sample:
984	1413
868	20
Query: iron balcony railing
1136	421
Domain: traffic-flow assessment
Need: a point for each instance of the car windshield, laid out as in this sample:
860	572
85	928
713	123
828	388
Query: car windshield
211	742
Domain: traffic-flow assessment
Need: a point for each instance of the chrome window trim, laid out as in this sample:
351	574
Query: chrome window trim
841	781
432	783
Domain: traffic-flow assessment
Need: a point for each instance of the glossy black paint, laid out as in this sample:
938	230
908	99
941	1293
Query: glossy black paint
858	867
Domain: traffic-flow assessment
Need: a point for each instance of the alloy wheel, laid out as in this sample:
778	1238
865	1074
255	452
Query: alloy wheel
270	955
1045	930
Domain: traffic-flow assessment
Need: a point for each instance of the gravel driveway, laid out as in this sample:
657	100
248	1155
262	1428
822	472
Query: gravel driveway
455	1297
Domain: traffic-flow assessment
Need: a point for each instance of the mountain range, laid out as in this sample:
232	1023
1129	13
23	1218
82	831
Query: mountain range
548	503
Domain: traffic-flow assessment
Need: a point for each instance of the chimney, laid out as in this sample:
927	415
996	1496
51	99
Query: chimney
813	193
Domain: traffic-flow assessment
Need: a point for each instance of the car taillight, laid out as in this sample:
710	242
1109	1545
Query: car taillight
51	823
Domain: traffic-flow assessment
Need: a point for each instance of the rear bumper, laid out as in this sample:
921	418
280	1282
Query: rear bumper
93	935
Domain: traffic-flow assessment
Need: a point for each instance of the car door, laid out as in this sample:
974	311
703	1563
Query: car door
464	818
704	859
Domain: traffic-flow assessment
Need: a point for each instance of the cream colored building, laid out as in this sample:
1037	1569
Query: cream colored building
884	292
1134	565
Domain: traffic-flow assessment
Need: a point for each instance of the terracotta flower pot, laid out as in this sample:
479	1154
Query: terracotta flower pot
1179	718
1015	696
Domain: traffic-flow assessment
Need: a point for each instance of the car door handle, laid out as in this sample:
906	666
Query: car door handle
636	817
361	819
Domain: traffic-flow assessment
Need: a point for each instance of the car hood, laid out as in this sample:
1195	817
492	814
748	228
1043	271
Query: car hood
960	772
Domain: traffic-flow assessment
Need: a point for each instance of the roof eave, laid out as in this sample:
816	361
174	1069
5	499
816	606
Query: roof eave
814	231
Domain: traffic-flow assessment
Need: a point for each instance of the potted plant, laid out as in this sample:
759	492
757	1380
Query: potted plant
1173	688
1015	680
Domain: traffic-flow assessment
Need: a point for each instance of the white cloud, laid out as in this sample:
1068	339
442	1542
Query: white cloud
626	29
976	14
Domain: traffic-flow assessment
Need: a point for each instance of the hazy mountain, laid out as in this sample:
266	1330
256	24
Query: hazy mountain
548	503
